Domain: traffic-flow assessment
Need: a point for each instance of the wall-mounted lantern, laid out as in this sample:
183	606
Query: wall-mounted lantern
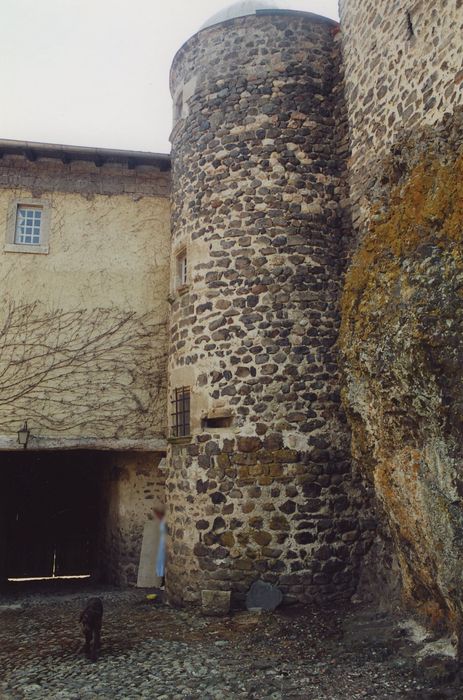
23	435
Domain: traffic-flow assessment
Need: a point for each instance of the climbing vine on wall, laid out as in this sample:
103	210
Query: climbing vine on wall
93	372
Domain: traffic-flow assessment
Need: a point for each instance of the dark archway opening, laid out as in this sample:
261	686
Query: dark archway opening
52	513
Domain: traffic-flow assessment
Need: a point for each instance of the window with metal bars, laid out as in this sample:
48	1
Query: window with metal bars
181	412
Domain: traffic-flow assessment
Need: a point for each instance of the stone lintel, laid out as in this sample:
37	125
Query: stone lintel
104	444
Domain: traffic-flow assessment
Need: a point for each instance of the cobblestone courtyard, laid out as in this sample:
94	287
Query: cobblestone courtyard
152	651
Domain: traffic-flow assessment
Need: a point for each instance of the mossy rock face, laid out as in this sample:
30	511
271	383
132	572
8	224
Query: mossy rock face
402	344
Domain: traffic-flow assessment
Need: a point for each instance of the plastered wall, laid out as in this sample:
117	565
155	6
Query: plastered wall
83	339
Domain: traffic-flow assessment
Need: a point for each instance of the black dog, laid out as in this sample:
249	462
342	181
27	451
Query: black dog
91	618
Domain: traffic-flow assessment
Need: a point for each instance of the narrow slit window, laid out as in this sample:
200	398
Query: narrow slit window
181	269
178	109
217	421
181	412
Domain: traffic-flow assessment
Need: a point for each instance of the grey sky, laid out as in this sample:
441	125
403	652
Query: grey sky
95	72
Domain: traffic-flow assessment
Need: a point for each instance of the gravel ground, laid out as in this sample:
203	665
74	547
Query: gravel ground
152	651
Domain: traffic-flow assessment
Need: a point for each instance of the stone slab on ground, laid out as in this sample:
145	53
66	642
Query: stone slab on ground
263	596
215	603
149	551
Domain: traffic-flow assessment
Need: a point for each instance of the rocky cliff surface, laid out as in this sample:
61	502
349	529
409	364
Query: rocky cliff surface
402	342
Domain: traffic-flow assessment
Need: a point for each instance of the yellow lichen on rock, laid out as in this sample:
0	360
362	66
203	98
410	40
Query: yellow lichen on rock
402	345
426	209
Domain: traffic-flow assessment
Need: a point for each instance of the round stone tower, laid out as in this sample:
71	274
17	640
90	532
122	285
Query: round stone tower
258	470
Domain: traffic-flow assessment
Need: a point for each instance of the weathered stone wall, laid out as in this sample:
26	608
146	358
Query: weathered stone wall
83	343
133	490
403	69
82	177
402	341
401	330
258	203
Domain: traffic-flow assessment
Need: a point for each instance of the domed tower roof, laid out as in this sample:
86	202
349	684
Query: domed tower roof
243	8
249	8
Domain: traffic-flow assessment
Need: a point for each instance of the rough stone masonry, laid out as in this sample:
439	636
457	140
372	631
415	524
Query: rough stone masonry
259	174
283	127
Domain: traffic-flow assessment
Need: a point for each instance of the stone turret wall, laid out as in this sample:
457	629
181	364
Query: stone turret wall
403	65
259	206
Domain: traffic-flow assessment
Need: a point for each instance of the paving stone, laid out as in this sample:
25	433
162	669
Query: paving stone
151	650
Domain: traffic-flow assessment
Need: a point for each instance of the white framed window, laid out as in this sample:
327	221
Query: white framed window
28	226
181	269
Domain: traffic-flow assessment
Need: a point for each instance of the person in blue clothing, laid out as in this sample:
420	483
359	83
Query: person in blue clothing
161	556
